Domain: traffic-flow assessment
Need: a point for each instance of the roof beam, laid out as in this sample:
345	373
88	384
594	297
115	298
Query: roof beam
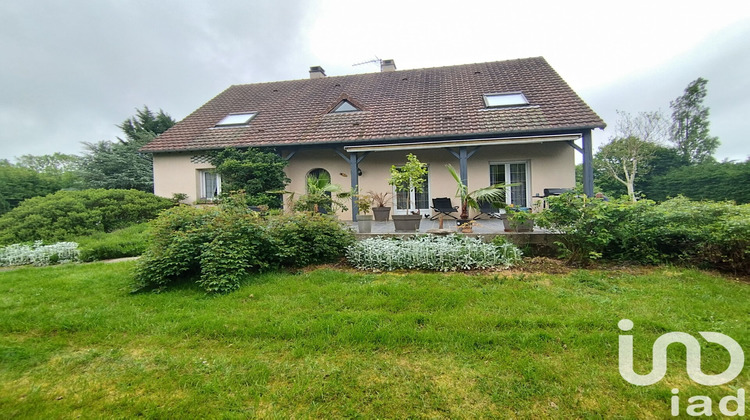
461	143
575	146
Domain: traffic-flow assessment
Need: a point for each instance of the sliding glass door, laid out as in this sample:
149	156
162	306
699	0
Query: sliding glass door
512	173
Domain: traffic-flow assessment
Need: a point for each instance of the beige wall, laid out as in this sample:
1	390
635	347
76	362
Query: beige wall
175	173
550	165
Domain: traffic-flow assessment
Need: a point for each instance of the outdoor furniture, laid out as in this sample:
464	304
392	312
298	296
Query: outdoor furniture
488	208
443	206
550	192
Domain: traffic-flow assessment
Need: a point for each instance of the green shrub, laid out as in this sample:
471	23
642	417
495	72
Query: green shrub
240	244
19	183
703	233
224	245
586	225
176	241
305	239
713	234
68	214
438	253
707	181
128	242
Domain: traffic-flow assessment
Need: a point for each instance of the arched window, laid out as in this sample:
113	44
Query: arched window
315	181
319	174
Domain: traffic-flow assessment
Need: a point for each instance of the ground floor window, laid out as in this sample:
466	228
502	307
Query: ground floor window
317	179
512	173
210	185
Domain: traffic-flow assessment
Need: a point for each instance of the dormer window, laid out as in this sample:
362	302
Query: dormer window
236	120
496	100
345	106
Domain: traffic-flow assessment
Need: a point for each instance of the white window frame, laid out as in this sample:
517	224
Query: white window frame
202	184
237	119
507	164
521	99
343	104
412	193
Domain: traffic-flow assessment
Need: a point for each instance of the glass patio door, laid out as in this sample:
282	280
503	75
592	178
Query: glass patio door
421	200
512	173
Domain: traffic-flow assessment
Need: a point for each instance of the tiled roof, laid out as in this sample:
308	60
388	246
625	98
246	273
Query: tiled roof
399	105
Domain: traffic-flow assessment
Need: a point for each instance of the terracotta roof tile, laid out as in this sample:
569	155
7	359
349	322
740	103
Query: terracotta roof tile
399	105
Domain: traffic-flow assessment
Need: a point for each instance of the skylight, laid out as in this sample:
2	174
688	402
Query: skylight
233	120
505	99
345	106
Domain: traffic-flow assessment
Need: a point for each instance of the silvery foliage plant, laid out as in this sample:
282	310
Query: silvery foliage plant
38	254
437	253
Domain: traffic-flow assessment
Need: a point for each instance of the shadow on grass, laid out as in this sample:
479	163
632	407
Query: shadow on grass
189	283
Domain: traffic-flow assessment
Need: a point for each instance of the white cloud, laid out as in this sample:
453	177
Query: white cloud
74	70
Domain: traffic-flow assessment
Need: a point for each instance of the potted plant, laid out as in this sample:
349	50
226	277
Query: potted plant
518	219
364	220
406	178
467	226
471	199
321	196
380	209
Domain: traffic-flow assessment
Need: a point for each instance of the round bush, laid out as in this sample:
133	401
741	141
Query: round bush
67	214
225	245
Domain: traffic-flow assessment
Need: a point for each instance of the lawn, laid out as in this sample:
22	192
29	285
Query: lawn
330	343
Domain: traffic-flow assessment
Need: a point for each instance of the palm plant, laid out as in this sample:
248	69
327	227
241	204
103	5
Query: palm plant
471	199
322	195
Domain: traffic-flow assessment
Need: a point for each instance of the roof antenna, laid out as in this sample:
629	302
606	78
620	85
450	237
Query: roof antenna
376	60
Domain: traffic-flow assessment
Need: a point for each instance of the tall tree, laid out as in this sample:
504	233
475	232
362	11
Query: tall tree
256	172
65	168
145	124
54	164
19	183
689	131
630	151
120	164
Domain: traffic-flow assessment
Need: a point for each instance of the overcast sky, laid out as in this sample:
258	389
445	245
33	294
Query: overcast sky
72	70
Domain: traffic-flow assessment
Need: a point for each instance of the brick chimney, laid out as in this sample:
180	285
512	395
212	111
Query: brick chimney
317	72
387	65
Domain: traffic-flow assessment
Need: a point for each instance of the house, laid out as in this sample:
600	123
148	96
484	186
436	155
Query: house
507	121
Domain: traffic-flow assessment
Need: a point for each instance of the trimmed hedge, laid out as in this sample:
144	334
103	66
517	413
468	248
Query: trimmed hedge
222	246
699	233
128	242
68	214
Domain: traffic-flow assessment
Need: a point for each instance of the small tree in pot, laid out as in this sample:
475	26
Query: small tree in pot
410	176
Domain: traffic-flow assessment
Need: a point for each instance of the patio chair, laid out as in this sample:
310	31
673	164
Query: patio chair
551	192
443	206
488	208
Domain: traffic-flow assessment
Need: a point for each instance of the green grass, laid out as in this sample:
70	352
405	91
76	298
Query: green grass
326	343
